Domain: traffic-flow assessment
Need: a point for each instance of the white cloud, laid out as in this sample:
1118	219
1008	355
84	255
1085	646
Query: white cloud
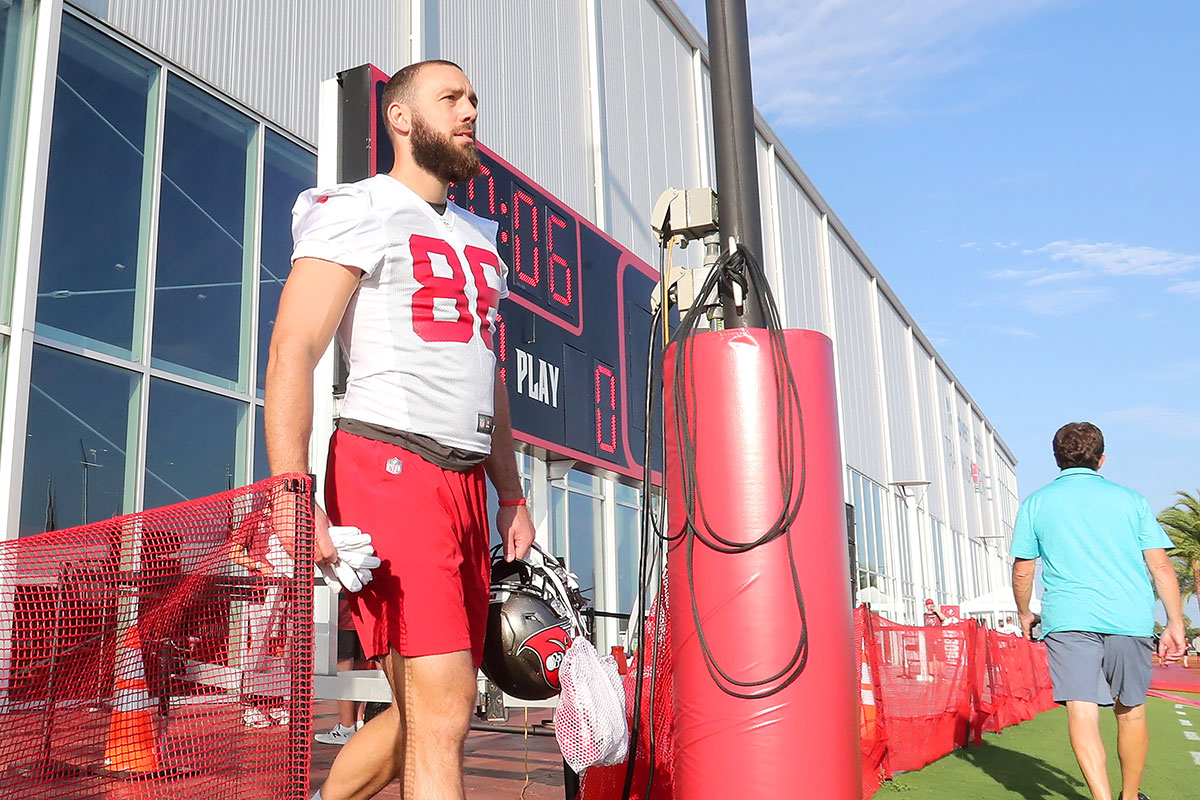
1065	301
1048	291
1112	258
821	62
1015	274
1007	330
1189	288
1058	277
1163	420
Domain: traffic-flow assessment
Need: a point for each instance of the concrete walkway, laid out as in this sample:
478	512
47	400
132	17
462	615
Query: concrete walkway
495	767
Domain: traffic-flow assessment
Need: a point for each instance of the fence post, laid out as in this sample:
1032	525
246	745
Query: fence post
301	490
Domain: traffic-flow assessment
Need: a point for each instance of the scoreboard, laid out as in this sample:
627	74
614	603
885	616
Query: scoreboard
572	337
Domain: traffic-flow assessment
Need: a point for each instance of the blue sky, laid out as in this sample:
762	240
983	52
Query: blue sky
1024	175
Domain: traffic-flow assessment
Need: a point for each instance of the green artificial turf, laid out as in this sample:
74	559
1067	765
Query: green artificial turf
1033	761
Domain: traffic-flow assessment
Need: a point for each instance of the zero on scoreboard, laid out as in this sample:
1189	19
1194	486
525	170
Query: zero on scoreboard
571	339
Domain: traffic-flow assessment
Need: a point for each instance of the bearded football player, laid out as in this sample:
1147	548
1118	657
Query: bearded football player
410	285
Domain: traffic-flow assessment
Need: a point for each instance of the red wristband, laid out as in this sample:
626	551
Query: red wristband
520	501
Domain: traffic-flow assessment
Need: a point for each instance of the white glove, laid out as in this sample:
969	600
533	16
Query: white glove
356	558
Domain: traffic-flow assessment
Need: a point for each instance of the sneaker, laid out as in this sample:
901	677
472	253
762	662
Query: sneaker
339	735
253	717
1139	797
279	716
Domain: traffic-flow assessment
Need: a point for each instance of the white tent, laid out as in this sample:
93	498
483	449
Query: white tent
997	602
880	601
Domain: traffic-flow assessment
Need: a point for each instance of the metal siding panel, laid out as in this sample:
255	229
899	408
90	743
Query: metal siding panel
710	149
528	62
650	113
800	239
979	443
949	453
265	55
966	456
906	462
856	355
927	411
770	258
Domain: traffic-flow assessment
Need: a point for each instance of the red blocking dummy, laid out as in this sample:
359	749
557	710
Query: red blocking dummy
802	741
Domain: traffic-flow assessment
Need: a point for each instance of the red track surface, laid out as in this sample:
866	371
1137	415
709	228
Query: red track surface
1176	679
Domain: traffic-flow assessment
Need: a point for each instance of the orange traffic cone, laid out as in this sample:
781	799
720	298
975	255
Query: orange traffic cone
867	689
132	730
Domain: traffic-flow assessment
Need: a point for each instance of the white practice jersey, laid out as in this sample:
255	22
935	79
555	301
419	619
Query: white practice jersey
417	335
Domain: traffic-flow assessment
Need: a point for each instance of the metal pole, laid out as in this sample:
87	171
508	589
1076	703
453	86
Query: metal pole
735	146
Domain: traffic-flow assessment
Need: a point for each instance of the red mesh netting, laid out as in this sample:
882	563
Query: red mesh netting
923	693
872	727
606	783
924	682
1018	680
936	689
138	660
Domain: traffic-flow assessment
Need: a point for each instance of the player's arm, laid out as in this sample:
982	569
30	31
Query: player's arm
311	306
513	521
1173	641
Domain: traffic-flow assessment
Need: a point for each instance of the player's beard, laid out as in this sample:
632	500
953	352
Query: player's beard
440	155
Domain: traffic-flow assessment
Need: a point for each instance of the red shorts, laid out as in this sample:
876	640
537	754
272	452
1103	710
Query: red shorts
429	527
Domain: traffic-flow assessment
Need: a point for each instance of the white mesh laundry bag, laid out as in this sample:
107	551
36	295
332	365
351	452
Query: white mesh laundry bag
589	722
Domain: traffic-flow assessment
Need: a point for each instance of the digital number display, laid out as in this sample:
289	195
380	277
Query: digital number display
571	339
538	239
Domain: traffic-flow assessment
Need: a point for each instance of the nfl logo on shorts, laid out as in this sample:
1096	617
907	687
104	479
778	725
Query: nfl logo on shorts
394	465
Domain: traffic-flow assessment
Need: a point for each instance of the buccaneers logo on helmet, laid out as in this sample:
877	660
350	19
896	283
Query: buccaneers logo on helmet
550	645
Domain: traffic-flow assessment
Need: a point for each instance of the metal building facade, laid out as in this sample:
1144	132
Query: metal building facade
605	103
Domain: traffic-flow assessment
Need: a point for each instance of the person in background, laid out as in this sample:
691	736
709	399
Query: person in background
350	656
1009	628
1096	540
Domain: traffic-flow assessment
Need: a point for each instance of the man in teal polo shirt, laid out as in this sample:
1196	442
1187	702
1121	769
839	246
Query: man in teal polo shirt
1096	540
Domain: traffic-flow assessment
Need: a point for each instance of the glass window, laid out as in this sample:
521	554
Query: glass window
583	481
288	169
3	371
15	38
939	555
262	467
628	495
200	306
628	521
583	530
860	541
877	511
900	512
192	444
94	242
558	521
82	426
960	557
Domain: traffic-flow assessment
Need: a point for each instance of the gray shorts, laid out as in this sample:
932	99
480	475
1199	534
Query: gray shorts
1099	667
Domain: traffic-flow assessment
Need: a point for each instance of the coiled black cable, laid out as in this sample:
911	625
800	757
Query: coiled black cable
648	553
741	268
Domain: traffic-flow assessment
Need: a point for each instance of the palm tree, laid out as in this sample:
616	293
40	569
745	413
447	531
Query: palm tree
1187	580
1182	523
